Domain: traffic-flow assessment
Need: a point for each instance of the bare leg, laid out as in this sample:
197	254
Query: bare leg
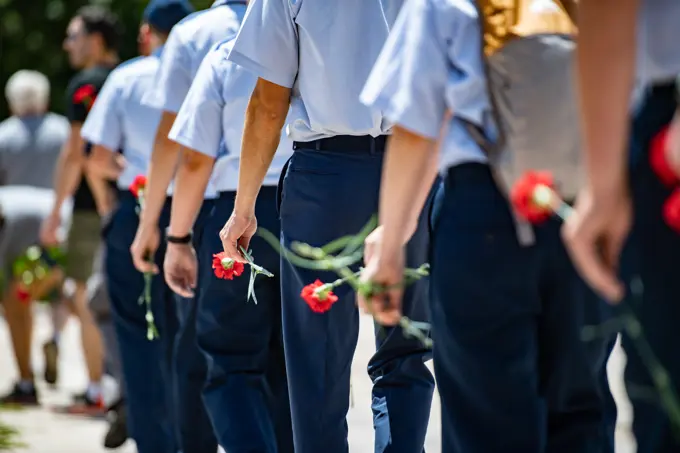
91	338
20	321
60	315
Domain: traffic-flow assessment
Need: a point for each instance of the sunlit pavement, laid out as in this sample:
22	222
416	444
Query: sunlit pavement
46	432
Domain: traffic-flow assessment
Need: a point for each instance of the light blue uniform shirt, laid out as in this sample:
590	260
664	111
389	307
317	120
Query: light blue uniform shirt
323	50
658	53
189	41
431	63
212	117
118	120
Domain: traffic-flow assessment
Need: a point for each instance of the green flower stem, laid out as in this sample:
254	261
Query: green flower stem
659	374
547	198
332	285
320	258
251	262
145	298
319	264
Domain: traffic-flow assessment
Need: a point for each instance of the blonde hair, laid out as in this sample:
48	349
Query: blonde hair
27	92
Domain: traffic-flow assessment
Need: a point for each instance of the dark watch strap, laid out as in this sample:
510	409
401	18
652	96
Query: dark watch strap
178	239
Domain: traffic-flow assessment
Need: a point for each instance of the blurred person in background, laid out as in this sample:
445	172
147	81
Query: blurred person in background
91	43
31	138
23	209
30	141
120	121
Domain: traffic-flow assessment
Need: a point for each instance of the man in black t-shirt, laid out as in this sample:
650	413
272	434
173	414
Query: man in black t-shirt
91	44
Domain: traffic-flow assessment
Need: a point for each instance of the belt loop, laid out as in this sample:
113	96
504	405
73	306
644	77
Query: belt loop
317	144
372	140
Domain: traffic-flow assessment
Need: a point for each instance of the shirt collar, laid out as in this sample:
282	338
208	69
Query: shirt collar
158	51
228	2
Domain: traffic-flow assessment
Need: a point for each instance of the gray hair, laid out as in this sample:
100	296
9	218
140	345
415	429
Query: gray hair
27	92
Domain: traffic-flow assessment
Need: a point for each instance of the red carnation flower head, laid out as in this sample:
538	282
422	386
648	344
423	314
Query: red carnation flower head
84	93
138	185
226	268
23	295
530	196
671	210
659	161
318	296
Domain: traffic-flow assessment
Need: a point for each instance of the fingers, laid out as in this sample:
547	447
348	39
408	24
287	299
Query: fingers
180	283
48	239
387	307
244	242
369	250
140	261
230	245
598	269
384	301
372	244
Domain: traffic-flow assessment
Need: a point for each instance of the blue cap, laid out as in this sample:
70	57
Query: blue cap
164	14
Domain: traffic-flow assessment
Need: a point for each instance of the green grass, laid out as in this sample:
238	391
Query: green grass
9	438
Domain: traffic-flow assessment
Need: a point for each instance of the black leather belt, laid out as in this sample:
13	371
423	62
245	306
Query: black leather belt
359	144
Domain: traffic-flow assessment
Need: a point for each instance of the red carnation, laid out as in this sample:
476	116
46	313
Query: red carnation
671	210
85	95
658	159
226	268
523	196
23	295
320	301
138	185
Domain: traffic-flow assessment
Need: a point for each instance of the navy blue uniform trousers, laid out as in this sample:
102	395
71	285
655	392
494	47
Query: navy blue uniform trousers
652	255
195	431
512	370
147	365
326	195
246	391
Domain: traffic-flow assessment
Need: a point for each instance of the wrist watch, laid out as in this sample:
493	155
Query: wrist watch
178	239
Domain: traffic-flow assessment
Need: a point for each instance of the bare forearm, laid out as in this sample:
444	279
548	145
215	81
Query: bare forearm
606	75
68	175
409	172
262	131
101	192
191	181
164	160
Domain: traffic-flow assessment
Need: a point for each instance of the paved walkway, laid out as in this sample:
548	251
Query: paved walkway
46	432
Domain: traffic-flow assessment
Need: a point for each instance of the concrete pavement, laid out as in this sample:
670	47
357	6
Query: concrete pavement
46	432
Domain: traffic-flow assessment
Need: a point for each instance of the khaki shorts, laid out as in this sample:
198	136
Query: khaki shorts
84	239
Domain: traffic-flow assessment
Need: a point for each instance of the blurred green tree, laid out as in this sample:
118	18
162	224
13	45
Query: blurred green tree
32	32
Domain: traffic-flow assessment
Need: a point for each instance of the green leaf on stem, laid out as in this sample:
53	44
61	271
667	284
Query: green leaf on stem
255	270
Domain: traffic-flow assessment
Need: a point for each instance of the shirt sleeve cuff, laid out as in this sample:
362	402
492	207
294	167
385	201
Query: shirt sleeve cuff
161	103
110	144
260	71
193	144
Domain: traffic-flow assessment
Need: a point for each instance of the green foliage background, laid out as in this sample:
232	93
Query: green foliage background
32	32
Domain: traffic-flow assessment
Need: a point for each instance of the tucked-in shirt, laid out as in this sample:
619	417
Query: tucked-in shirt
188	43
431	63
212	117
29	149
323	50
118	119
